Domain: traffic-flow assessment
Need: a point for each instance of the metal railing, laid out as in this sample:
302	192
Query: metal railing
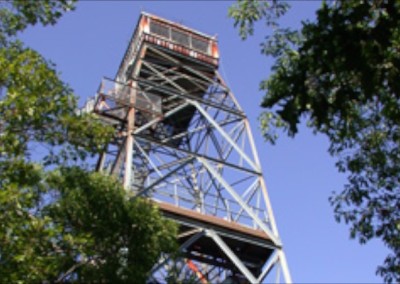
129	95
178	195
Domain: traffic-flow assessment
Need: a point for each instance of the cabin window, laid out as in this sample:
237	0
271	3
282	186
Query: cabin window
158	29
180	38
200	44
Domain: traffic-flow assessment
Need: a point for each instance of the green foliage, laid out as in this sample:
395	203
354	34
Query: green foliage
17	15
73	225
59	222
122	238
247	12
341	73
38	107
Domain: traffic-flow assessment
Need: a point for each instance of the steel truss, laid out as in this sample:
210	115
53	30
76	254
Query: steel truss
183	141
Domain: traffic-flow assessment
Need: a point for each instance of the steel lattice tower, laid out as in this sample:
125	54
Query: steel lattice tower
183	141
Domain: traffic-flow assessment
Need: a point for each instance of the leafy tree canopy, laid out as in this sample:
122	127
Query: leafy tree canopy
60	222
17	15
341	73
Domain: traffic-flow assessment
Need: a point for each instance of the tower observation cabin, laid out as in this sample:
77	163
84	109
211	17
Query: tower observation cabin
182	140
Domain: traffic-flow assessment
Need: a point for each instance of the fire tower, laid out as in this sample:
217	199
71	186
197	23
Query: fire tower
183	141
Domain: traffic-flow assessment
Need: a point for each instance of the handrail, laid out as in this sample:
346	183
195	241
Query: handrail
169	193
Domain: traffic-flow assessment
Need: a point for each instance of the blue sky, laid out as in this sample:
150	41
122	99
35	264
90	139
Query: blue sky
89	43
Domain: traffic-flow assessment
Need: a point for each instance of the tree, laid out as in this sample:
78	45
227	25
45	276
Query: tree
59	221
341	73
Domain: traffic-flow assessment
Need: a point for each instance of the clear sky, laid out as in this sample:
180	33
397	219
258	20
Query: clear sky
89	43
